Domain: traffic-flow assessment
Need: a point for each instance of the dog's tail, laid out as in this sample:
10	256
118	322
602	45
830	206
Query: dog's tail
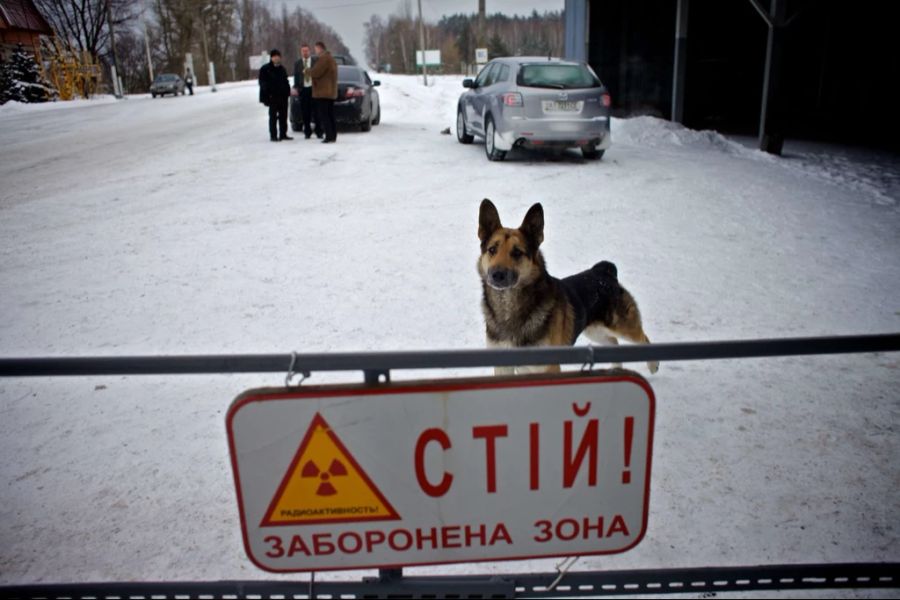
605	269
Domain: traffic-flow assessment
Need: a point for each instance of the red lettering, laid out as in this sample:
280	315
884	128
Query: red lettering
567	536
490	433
392	540
500	533
534	431
322	544
373	538
581	412
450	537
618	526
277	550
298	545
432	435
481	534
588	443
546	531
342	542
598	528
421	539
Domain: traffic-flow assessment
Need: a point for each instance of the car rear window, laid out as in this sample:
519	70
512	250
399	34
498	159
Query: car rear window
349	74
166	78
557	76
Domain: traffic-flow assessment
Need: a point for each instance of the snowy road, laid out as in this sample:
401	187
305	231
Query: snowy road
173	226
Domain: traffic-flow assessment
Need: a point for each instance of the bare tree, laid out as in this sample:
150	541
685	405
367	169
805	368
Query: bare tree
457	35
81	25
201	27
374	40
247	16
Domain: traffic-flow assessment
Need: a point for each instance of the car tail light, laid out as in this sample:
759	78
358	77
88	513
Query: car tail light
512	99
355	92
606	99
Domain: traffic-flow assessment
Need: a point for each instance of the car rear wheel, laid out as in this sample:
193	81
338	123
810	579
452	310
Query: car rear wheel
489	147
366	125
377	118
590	152
461	135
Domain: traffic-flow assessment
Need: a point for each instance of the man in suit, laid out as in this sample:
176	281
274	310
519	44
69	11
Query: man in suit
274	91
324	75
304	86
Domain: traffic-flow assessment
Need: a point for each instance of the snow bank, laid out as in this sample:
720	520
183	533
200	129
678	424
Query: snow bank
14	107
872	176
653	132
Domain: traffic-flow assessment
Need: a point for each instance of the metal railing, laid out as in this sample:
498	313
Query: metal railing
376	367
382	362
522	585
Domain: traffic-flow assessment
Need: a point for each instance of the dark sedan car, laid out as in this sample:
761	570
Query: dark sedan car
357	103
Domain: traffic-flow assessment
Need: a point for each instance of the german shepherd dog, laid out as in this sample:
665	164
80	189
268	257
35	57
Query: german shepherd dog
525	306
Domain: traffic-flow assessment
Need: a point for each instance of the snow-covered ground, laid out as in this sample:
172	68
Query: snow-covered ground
173	226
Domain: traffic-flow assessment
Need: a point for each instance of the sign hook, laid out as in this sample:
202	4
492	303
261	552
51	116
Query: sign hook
291	373
563	568
589	364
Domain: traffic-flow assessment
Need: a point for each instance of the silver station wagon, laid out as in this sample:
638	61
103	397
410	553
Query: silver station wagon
535	103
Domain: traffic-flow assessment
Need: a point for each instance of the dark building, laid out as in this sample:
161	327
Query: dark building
21	23
838	62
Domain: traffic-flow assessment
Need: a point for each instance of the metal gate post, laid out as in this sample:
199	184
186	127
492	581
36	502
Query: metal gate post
372	377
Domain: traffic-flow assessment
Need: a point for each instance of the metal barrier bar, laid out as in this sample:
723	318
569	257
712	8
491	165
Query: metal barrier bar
432	359
598	583
376	366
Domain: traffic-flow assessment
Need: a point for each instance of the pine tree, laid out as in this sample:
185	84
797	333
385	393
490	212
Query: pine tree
5	82
24	80
497	48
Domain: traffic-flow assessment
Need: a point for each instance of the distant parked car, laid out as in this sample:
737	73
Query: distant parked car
167	83
535	103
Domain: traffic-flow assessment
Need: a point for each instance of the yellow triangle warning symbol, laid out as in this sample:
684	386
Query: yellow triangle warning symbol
324	484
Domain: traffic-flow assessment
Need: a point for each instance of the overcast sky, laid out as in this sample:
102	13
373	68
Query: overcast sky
347	16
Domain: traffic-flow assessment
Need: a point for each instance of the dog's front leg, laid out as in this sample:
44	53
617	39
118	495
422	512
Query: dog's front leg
501	371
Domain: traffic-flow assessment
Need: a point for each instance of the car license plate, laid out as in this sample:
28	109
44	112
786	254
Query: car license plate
562	106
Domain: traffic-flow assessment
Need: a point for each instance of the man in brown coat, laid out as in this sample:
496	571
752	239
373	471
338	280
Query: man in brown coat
324	74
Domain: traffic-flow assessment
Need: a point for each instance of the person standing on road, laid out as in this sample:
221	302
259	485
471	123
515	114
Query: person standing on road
189	81
324	74
274	91
304	86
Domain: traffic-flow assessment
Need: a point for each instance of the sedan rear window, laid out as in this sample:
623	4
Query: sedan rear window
557	76
349	74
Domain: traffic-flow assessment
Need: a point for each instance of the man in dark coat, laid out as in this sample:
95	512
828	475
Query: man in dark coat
274	91
324	75
303	85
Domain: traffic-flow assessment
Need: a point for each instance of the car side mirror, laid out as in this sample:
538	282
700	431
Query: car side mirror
376	83
468	83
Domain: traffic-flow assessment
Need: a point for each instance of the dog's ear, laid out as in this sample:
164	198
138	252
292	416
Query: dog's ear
533	225
488	220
